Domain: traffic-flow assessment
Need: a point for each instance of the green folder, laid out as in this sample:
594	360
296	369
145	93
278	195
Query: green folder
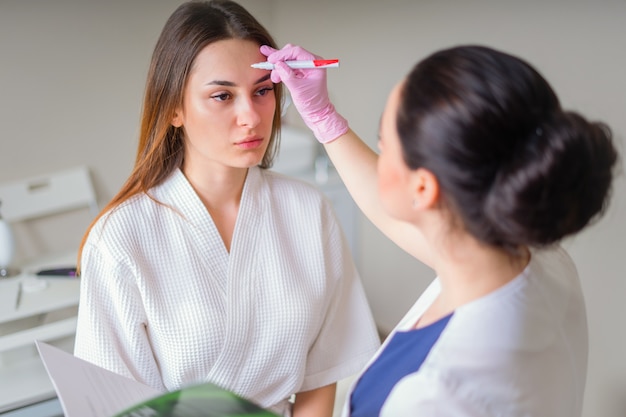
203	400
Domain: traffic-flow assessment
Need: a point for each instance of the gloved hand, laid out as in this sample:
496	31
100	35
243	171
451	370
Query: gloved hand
308	92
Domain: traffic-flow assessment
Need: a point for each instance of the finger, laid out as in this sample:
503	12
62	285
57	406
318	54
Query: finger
267	50
275	76
282	71
290	52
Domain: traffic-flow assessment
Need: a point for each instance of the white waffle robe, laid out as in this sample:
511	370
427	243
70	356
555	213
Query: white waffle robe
164	302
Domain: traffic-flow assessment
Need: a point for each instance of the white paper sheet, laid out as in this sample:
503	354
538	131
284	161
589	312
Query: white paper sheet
85	389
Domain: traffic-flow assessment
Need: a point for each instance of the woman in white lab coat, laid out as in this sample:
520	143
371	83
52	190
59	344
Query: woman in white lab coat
480	174
207	266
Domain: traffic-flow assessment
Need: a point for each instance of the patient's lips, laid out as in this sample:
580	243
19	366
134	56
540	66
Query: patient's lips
250	142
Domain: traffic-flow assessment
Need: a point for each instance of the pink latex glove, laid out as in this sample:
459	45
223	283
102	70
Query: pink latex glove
308	91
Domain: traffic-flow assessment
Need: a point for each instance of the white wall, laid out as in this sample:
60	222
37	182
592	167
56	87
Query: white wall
72	74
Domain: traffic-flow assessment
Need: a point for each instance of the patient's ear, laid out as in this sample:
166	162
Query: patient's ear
177	120
425	189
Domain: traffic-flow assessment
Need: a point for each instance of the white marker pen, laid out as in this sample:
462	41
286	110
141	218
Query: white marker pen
316	63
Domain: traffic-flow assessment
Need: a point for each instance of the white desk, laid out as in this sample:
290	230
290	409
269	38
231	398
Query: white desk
47	314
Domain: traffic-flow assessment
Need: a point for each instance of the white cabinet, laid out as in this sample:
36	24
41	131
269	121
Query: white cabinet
45	309
32	307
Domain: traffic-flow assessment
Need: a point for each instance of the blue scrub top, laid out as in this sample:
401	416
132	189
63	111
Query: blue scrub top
403	355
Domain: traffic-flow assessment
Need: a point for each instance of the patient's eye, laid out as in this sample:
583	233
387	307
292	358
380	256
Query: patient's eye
263	91
221	96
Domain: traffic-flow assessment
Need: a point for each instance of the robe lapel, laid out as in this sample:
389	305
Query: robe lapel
241	280
210	245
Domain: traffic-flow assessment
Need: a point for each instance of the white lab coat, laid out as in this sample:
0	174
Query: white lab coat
520	351
164	302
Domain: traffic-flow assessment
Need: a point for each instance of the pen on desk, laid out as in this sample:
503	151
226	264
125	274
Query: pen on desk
58	272
316	63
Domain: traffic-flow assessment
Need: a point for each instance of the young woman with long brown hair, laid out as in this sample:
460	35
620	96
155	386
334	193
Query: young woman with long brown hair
207	266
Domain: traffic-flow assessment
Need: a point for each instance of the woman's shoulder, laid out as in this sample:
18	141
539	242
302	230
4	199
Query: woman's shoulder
125	220
528	312
296	194
523	339
134	208
290	185
300	203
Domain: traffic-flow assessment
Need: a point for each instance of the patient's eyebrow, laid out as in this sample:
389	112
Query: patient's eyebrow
232	84
263	78
221	82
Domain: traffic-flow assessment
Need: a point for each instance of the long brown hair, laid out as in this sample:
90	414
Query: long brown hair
191	27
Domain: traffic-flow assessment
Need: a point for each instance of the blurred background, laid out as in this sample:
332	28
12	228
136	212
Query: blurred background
72	75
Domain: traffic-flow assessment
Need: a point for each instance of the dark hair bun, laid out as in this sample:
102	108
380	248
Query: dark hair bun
557	184
513	166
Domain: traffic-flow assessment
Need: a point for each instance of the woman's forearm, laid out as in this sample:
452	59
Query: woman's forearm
356	164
